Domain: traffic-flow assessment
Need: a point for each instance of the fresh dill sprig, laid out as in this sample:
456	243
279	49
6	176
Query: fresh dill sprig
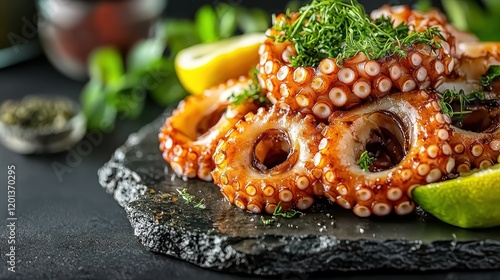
288	214
449	96
365	161
200	204
252	93
492	75
279	212
341	29
267	222
189	198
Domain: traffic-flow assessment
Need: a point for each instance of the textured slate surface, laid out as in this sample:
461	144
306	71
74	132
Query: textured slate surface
327	238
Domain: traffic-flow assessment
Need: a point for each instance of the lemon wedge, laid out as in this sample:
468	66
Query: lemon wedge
469	201
203	66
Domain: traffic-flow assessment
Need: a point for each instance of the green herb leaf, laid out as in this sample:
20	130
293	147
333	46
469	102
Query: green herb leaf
144	53
288	214
365	161
491	76
341	29
266	221
189	198
449	96
164	86
493	6
130	102
278	211
255	20
180	34
96	105
227	16
251	93
183	193
423	6
105	65
200	204
472	16
294	5
207	24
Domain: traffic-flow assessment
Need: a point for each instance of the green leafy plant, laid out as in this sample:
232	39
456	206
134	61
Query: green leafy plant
341	29
278	212
449	96
470	15
252	93
119	88
365	161
491	76
189	199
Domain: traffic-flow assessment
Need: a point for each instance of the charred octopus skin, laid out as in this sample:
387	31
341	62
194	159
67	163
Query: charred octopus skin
267	159
332	84
407	136
189	136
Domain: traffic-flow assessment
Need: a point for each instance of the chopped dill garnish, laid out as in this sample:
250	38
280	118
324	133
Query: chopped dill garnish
449	96
288	214
267	222
279	212
492	75
365	161
250	94
188	198
201	204
341	29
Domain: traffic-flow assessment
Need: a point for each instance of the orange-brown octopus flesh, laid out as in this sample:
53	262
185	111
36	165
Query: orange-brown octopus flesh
189	136
475	140
267	159
476	143
406	134
328	87
323	118
472	58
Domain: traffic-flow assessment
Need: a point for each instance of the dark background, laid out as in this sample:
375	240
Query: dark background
72	228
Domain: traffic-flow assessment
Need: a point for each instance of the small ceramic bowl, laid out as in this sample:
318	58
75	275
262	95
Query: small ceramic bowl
47	139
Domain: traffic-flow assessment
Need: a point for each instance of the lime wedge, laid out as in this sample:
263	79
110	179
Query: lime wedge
469	201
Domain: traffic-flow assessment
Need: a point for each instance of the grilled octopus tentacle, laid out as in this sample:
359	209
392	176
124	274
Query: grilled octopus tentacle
406	134
476	144
471	57
328	87
267	159
189	136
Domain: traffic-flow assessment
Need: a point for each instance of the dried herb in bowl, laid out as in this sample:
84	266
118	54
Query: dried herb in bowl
41	124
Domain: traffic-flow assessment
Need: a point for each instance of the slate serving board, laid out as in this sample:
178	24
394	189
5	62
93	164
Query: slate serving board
327	238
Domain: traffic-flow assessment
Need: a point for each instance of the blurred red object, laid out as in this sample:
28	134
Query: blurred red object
70	29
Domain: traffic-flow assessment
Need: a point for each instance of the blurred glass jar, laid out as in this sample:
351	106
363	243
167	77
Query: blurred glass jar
70	29
18	34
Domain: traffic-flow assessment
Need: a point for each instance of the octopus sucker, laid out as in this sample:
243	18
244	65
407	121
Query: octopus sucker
271	153
189	136
361	128
474	150
397	130
355	80
475	141
466	57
